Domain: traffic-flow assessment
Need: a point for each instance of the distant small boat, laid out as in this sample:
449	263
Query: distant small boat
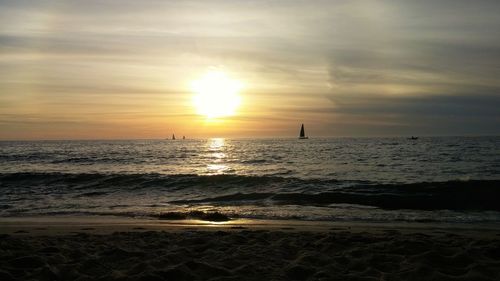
173	136
302	133
413	138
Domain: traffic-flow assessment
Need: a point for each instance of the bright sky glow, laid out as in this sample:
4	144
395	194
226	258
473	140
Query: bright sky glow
216	95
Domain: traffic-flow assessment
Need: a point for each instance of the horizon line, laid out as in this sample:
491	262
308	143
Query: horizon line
242	138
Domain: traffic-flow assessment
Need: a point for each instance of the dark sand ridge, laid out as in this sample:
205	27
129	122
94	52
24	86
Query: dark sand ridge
125	249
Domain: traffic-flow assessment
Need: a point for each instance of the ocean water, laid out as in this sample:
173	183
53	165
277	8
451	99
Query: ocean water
441	179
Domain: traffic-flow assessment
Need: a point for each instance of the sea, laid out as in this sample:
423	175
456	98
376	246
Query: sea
431	179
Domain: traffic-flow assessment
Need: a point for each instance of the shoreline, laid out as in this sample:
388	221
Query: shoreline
61	225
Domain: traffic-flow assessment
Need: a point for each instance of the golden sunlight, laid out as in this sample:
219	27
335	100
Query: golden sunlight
216	95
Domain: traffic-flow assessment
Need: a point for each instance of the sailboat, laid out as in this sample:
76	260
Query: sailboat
173	137
302	133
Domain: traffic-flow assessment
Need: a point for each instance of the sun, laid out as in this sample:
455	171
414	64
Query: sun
216	95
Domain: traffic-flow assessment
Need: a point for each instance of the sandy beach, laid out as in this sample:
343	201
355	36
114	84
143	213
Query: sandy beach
64	248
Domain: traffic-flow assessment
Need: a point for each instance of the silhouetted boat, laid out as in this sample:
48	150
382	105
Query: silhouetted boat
302	133
413	138
173	136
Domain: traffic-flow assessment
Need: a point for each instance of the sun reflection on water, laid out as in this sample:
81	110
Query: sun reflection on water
216	147
216	144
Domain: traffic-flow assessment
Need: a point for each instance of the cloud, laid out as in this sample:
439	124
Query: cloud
370	64
458	113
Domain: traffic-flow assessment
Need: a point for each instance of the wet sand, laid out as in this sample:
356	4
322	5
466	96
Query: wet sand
64	248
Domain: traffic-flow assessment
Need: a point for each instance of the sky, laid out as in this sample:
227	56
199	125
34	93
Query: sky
123	69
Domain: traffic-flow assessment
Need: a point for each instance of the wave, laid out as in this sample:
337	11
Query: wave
276	190
454	195
94	180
